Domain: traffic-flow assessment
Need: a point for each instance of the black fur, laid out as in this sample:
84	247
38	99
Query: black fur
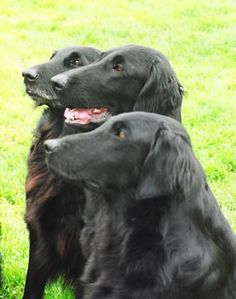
53	212
159	91
158	231
128	78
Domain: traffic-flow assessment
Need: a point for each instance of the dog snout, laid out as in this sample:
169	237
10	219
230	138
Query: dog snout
58	82
50	146
30	75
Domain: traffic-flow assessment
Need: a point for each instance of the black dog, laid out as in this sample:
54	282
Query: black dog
162	89
159	231
128	78
53	213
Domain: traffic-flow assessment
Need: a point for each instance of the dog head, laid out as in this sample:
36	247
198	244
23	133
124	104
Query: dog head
124	79
144	152
37	78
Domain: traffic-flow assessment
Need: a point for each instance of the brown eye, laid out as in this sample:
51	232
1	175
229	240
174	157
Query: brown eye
75	62
120	133
118	67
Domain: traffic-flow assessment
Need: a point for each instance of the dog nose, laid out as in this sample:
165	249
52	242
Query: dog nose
30	75
50	146
58	82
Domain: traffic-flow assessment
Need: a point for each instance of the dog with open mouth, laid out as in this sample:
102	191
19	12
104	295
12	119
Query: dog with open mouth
123	79
54	208
159	91
158	230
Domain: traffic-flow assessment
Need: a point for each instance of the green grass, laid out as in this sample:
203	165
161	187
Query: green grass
198	37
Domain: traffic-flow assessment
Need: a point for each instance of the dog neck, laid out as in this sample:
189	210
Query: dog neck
163	236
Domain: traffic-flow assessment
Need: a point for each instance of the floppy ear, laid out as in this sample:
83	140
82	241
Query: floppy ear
161	93
170	167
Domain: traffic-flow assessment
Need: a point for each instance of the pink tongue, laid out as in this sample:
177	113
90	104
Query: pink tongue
82	115
85	116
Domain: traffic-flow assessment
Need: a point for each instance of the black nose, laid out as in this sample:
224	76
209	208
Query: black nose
50	145
58	83
30	75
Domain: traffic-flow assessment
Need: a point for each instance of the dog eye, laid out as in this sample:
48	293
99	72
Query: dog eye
118	67
75	62
120	133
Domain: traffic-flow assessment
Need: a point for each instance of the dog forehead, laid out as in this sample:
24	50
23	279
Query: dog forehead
67	51
138	116
136	120
148	121
135	54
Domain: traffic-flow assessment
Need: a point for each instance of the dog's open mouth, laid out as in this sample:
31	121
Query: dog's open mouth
86	116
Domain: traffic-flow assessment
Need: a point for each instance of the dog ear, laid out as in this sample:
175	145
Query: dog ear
169	168
161	93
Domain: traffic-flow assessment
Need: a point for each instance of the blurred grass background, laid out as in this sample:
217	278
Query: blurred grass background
197	36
